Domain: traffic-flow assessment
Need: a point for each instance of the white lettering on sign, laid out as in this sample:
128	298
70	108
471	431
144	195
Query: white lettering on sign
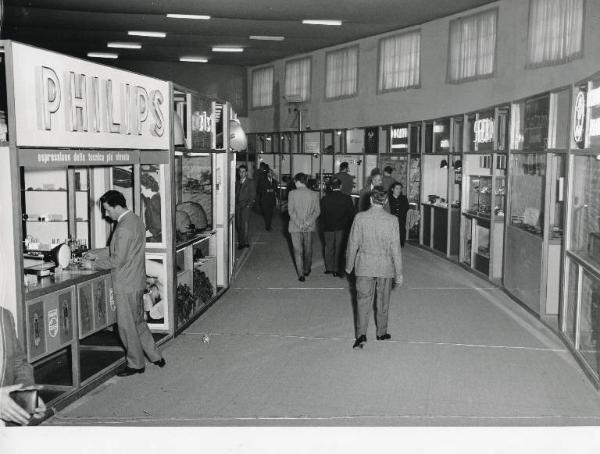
399	133
445	143
93	104
438	129
594	97
595	127
201	122
483	130
400	145
53	322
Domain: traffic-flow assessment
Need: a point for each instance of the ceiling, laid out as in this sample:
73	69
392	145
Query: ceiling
76	27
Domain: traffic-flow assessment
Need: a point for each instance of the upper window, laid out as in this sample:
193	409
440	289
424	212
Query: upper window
341	74
262	87
399	61
472	47
297	79
555	31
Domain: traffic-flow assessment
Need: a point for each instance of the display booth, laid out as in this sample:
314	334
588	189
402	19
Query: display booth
75	129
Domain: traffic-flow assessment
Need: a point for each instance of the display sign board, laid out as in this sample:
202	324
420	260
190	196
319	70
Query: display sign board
594	113
399	138
201	123
372	140
535	127
62	101
579	118
29	157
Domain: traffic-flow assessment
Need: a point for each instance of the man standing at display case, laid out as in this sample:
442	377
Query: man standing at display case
125	258
303	208
346	179
374	254
245	192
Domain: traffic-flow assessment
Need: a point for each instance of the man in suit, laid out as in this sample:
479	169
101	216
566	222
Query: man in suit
15	373
364	200
374	254
266	190
337	212
303	208
125	258
245	193
346	179
388	179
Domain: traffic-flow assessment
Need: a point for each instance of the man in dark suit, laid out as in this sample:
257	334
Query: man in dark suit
245	193
126	260
364	201
374	254
346	179
15	373
337	212
266	190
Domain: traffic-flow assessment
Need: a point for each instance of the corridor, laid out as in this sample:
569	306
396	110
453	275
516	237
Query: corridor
279	353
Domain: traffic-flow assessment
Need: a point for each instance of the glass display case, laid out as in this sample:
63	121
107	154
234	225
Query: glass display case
527	184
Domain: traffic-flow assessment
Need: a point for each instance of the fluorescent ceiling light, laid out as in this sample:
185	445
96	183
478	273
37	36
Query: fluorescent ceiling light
321	22
102	55
267	38
188	16
227	49
149	34
117	45
193	59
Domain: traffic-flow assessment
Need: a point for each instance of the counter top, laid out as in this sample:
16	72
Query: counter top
60	281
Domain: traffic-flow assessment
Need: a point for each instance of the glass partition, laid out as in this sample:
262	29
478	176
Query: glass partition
527	172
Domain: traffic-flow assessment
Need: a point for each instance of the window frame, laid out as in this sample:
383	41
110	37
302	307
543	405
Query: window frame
336	98
252	107
380	90
310	78
490	75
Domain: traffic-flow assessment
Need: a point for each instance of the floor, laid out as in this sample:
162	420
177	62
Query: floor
279	353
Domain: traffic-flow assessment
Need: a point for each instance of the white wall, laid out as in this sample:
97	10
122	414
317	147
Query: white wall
435	98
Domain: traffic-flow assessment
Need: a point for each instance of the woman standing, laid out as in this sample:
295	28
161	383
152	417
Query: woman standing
398	206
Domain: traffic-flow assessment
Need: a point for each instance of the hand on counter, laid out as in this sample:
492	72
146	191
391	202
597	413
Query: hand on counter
9	409
87	264
90	255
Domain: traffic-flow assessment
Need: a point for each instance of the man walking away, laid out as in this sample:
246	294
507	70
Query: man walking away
303	208
374	254
337	212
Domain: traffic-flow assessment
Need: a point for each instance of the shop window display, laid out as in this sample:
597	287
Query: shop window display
585	209
527	192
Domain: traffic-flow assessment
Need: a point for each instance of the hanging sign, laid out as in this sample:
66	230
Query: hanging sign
579	119
201	124
483	130
399	138
62	101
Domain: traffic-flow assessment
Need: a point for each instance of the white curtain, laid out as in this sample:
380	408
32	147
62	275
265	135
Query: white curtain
297	79
399	61
341	78
555	31
262	87
472	46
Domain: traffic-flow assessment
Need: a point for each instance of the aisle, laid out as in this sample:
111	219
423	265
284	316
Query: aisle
280	353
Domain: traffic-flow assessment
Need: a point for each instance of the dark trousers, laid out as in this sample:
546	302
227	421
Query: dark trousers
333	249
366	287
267	204
302	242
242	221
133	330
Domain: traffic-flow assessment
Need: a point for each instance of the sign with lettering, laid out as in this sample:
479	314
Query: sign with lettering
483	130
62	101
201	123
594	113
579	119
399	138
61	158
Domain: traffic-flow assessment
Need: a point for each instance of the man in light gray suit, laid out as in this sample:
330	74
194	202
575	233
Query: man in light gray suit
374	253
126	261
304	209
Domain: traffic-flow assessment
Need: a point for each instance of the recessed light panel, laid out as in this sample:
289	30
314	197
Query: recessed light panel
321	22
193	59
227	49
188	16
267	38
146	33
102	55
117	45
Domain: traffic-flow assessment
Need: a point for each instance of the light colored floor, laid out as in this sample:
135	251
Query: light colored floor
280	353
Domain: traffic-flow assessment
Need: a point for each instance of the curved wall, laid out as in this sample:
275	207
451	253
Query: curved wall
435	98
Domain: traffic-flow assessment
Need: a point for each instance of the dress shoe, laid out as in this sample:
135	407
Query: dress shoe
384	337
130	371
342	275
301	278
160	363
360	341
306	273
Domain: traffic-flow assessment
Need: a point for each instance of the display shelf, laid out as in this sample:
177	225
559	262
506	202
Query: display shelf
44	190
44	222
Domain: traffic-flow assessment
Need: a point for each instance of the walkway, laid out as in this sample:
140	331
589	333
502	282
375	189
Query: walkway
280	353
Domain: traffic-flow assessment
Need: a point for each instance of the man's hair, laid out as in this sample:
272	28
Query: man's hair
148	181
388	169
113	198
301	177
243	166
375	171
343	165
378	195
336	183
393	186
